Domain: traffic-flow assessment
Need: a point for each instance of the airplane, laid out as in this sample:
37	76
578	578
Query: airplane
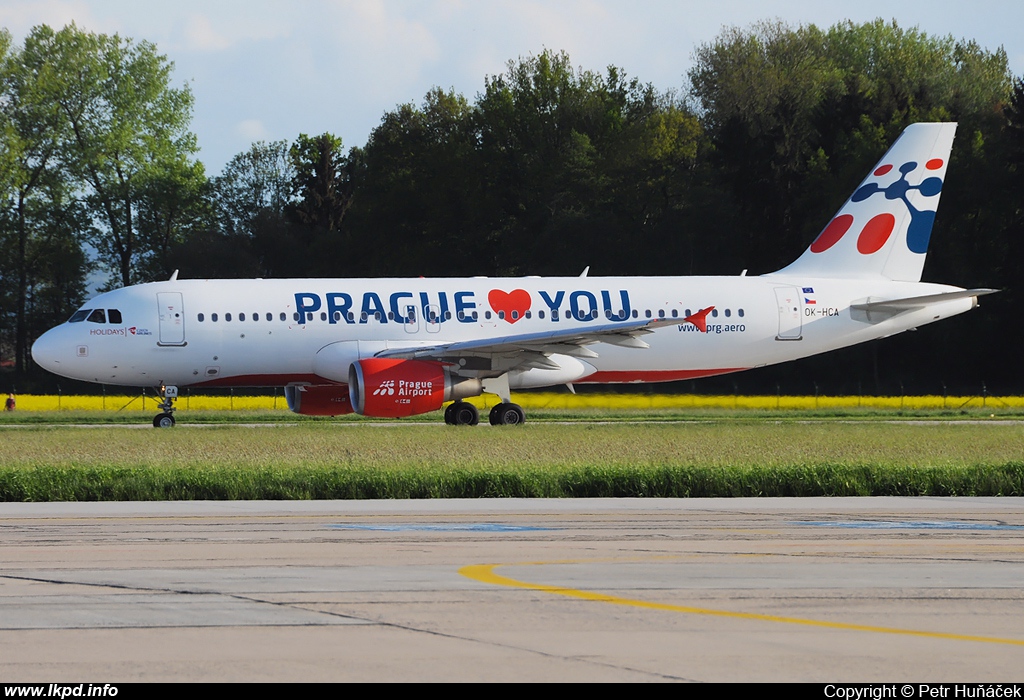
402	347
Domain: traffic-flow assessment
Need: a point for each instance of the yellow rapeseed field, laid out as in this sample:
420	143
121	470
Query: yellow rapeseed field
543	401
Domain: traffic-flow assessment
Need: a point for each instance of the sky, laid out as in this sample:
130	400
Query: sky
265	70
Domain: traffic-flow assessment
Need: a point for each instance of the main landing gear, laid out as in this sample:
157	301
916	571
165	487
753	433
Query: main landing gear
461	413
507	414
166	419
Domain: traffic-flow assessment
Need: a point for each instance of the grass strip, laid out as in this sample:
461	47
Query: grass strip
221	483
330	460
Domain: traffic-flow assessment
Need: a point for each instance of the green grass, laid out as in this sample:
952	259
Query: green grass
534	415
331	459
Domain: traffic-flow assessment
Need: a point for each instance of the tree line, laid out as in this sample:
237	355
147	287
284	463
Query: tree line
550	168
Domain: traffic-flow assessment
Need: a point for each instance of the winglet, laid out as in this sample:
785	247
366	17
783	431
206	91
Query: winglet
700	319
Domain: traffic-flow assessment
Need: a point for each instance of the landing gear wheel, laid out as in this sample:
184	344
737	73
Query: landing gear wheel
163	420
461	413
507	414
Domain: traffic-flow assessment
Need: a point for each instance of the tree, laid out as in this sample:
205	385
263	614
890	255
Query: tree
321	181
172	205
254	184
39	191
417	192
796	115
128	128
581	168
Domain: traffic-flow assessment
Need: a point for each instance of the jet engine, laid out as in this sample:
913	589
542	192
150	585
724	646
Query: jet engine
386	388
329	400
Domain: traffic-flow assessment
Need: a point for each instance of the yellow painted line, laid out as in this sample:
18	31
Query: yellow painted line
484	573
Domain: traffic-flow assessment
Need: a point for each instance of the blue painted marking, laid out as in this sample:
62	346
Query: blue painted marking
452	527
909	525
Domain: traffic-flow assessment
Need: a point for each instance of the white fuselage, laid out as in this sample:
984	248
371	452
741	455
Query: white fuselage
280	332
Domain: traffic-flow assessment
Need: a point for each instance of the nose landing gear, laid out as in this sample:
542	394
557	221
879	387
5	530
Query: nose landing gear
166	419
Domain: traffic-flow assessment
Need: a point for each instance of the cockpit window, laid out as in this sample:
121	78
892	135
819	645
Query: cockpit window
113	316
79	316
97	316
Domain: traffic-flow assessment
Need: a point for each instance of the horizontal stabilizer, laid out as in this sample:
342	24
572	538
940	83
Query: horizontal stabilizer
876	310
897	305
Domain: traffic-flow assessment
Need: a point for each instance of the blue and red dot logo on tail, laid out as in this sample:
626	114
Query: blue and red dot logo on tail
876	231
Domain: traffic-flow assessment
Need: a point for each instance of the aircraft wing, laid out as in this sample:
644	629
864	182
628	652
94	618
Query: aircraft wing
530	350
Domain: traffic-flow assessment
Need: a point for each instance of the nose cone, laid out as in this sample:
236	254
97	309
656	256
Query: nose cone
48	351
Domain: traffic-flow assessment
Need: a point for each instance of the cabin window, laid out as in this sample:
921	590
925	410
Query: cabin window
501	315
200	317
540	314
79	316
213	318
688	314
714	313
554	314
270	316
487	315
647	313
113	316
97	316
351	317
309	315
635	313
675	313
283	316
323	315
295	315
728	313
337	316
256	317
241	317
362	317
474	315
740	312
661	313
528	314
391	315
448	315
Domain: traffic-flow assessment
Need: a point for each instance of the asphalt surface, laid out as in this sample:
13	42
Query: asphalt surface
815	589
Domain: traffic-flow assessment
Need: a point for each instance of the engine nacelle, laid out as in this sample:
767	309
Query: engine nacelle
386	388
330	400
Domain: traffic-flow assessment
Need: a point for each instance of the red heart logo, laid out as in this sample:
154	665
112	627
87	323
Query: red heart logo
514	304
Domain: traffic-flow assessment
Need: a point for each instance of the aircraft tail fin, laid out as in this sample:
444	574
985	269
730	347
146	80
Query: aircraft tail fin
884	228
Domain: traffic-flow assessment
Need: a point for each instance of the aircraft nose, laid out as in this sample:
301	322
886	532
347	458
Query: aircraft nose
46	351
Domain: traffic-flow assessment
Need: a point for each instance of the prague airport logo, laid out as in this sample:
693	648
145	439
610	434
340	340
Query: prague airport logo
386	388
876	231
